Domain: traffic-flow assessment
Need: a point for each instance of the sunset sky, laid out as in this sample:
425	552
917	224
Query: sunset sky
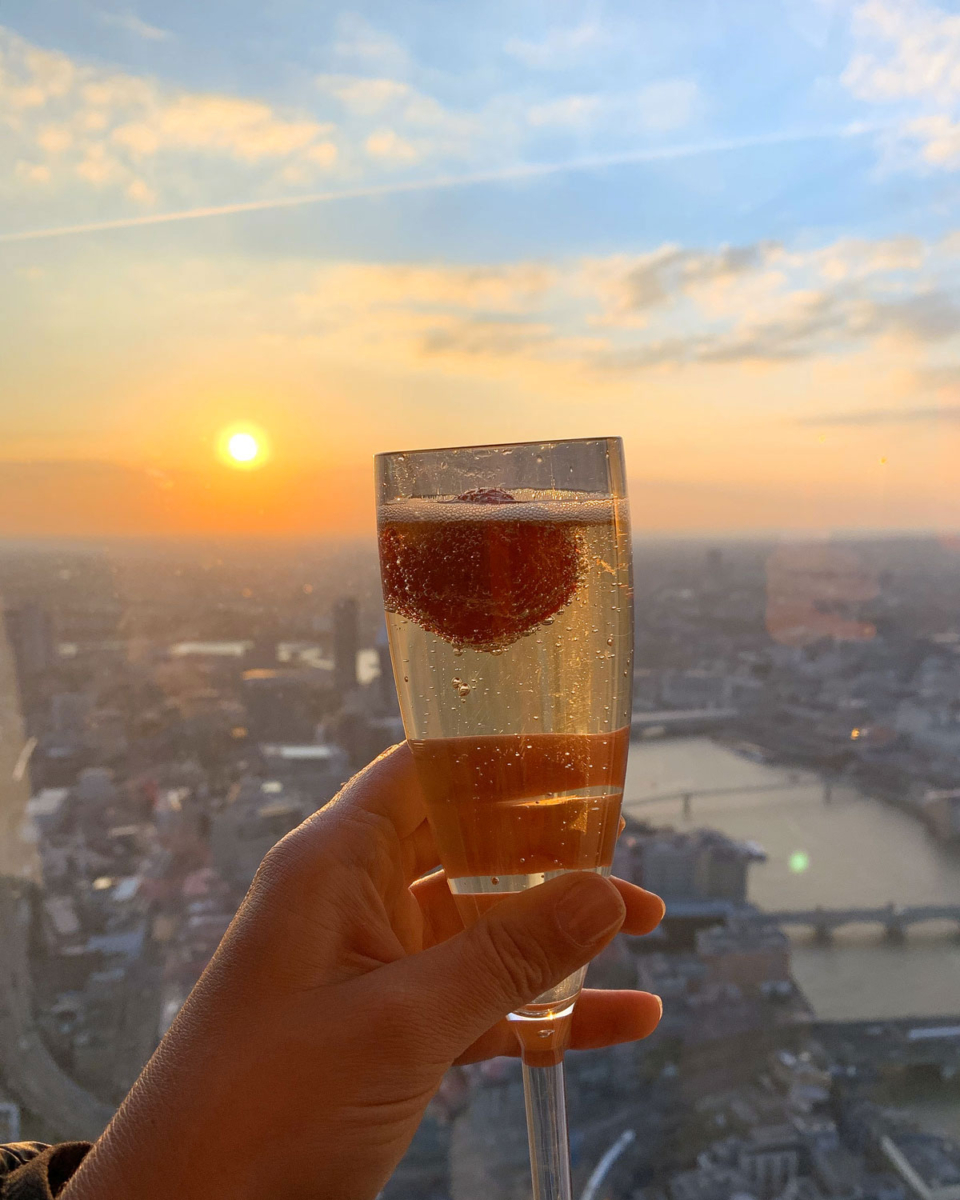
727	229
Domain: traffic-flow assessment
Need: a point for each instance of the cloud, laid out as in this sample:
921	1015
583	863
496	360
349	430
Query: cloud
72	121
857	258
569	112
559	48
659	107
131	23
360	42
388	144
944	376
32	173
912	51
811	323
930	316
244	129
939	139
673	306
886	416
396	123
81	128
509	288
668	271
908	56
764	302
805	324
442	351
366	97
486	336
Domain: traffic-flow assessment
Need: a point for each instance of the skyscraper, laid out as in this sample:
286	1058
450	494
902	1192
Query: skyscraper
18	858
30	636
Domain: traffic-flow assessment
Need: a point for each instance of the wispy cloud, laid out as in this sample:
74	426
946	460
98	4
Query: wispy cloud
659	107
361	43
670	271
886	416
907	57
517	172
803	324
614	317
908	50
559	47
129	22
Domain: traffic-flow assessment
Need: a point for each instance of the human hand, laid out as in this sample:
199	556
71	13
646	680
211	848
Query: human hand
302	1062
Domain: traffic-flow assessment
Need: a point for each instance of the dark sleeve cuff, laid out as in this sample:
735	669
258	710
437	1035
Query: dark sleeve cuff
44	1171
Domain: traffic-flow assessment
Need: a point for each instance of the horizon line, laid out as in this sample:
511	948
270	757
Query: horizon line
816	535
518	171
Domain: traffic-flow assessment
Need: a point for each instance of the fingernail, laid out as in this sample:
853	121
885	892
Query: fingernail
659	1000
588	910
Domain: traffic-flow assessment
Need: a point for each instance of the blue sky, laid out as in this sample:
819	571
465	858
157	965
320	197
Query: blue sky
456	89
725	227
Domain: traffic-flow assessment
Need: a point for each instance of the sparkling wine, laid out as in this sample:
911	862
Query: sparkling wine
512	810
510	623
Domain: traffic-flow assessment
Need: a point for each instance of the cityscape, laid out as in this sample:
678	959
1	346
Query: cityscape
170	711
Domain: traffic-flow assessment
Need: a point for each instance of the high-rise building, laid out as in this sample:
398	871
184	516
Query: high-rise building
18	858
30	635
346	643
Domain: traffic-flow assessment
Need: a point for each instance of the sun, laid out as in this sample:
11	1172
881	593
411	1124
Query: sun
243	447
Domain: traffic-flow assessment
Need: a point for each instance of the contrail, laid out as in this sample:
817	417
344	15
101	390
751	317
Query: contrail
502	175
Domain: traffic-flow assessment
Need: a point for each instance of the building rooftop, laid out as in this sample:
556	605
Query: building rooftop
320	752
46	802
211	649
738	938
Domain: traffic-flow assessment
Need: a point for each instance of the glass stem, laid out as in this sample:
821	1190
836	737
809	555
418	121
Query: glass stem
546	1105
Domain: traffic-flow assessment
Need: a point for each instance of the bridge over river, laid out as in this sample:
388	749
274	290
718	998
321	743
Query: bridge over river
895	920
687	794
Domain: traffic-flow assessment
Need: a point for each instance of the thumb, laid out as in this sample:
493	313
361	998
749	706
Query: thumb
526	944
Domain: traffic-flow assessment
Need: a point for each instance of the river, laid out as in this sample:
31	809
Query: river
853	851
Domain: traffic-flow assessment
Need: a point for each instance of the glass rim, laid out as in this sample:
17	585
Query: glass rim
499	446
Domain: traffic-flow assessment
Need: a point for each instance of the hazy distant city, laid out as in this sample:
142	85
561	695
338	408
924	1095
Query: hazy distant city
168	711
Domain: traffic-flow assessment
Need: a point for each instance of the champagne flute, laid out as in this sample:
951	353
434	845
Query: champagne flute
507	584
